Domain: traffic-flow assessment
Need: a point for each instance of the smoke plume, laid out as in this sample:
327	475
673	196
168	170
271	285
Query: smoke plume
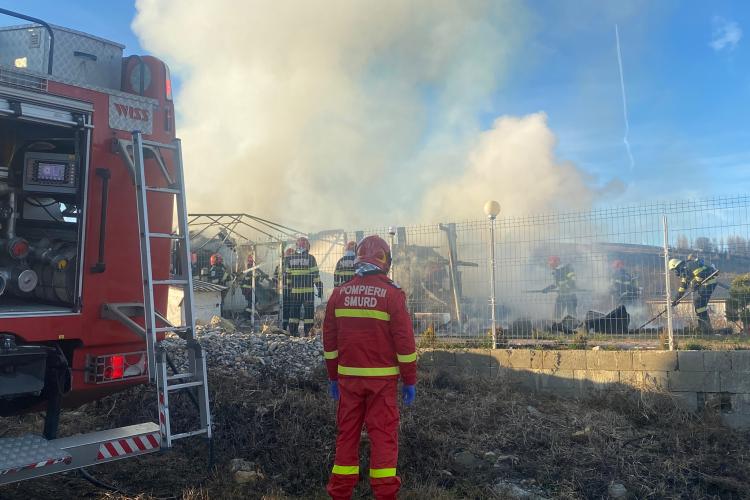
352	113
514	162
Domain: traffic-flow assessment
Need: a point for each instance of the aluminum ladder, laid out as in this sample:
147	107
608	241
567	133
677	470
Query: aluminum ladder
195	379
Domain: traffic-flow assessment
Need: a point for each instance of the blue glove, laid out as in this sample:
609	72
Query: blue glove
333	389
410	393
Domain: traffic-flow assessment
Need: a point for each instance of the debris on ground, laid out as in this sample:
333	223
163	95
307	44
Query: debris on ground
253	353
617	490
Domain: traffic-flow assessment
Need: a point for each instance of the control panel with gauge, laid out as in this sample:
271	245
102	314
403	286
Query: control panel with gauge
50	173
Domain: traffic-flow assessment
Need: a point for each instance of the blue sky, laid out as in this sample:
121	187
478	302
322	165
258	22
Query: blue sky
686	71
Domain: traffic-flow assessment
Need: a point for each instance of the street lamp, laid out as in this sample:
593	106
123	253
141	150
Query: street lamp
491	210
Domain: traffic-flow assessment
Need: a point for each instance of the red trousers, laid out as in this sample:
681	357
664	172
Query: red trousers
374	403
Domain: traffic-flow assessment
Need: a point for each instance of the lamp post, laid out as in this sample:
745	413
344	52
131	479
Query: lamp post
491	210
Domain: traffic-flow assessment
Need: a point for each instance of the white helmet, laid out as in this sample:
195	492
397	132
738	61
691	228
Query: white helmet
674	264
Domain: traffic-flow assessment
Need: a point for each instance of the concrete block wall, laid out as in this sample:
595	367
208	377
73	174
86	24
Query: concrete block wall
694	378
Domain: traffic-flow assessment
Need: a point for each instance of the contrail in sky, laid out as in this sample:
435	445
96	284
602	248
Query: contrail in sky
624	101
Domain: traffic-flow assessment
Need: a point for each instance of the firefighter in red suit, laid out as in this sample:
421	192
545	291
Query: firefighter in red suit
368	342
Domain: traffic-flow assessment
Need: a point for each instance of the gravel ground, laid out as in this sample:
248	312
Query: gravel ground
254	353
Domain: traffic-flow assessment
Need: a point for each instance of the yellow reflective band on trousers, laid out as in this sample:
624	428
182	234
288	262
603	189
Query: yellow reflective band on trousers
701	309
330	354
345	273
378	473
368	372
345	470
303	290
406	358
363	313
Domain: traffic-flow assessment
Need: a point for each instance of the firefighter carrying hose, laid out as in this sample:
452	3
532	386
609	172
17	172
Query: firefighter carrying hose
217	273
345	266
624	286
564	284
368	342
700	278
303	279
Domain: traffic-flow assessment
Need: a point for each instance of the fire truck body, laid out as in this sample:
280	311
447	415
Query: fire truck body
70	236
43	119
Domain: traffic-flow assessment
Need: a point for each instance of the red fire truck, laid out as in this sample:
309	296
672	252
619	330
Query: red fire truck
90	184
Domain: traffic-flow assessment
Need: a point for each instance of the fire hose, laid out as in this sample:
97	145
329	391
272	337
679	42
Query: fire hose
676	302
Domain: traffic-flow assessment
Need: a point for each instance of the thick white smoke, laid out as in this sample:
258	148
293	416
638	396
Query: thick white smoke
514	162
352	113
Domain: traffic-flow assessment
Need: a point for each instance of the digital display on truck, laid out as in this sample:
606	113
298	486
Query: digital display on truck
51	172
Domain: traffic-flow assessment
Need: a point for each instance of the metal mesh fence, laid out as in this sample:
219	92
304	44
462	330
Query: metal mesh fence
601	272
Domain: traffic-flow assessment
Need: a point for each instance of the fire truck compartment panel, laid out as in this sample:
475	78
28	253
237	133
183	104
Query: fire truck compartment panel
78	57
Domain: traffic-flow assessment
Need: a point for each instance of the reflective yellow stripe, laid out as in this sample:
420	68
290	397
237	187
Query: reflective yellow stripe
701	309
680	289
309	321
299	272
346	470
368	372
363	313
709	282
376	473
303	290
406	358
330	354
345	273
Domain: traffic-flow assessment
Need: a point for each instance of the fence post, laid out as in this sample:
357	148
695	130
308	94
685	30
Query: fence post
391	240
668	292
281	284
252	297
492	208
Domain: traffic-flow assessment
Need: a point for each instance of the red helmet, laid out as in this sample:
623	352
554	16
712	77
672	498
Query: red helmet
618	264
216	259
374	250
351	246
553	261
250	260
303	244
289	251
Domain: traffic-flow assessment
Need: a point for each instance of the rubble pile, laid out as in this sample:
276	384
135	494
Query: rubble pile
273	351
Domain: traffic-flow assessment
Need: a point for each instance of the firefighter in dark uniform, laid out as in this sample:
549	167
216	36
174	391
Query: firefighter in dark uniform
301	273
217	273
345	266
624	287
564	284
701	279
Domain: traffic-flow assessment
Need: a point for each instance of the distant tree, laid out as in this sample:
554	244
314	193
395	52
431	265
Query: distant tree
738	303
737	245
704	244
683	242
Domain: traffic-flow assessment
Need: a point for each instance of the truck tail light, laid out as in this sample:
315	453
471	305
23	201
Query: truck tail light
116	367
167	83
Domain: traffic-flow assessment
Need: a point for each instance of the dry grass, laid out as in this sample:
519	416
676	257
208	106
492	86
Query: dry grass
287	429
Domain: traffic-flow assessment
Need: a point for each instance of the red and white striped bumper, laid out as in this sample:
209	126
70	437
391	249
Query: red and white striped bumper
129	446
